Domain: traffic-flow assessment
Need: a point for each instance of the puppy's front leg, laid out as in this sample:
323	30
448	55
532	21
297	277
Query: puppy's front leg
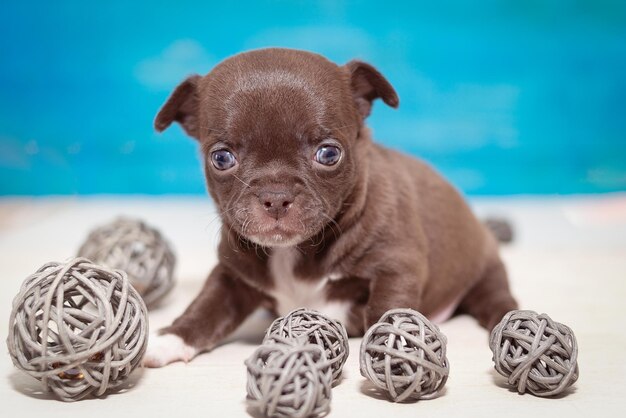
400	289
223	303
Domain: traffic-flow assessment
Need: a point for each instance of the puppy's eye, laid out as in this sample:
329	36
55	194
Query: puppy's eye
223	159
328	155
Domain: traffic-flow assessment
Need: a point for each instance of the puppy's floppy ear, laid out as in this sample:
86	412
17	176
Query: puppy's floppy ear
181	107
368	84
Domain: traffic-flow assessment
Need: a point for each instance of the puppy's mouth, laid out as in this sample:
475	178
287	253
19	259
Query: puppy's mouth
294	227
276	234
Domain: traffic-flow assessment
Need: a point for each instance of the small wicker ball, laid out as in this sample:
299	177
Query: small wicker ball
77	327
289	378
501	229
535	353
315	328
405	355
138	249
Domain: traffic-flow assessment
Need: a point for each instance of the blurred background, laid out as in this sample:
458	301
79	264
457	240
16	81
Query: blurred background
502	97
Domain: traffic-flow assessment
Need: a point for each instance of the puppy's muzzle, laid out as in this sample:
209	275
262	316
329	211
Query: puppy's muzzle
276	202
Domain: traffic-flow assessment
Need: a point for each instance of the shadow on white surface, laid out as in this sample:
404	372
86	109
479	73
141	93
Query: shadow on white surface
29	386
252	330
501	382
373	391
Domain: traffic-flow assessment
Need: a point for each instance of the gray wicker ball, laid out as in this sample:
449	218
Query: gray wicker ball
501	228
138	249
535	353
315	328
289	378
78	327
405	355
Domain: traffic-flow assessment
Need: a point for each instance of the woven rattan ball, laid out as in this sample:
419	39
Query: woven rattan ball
77	327
138	249
289	378
405	355
501	229
315	328
535	353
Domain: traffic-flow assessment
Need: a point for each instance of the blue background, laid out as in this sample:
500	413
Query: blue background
503	97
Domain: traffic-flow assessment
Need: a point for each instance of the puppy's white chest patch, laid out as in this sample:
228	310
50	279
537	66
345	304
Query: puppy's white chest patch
291	292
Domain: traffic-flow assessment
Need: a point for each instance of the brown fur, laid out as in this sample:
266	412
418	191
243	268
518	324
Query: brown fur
399	234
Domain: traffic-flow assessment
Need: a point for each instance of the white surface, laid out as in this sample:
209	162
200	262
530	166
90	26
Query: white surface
569	260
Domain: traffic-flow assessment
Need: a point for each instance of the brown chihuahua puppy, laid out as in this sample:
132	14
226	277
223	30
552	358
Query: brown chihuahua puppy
315	214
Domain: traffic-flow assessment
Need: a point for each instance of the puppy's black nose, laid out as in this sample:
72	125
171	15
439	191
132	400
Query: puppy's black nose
276	203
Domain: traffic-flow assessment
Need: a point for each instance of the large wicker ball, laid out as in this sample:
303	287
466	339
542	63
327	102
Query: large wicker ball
405	355
535	353
138	249
315	328
289	378
77	327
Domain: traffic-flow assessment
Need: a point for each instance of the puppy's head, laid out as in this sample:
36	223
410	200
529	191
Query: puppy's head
279	132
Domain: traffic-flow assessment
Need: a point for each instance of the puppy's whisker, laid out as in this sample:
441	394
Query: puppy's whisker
246	184
324	214
217	217
256	249
235	249
333	224
304	229
216	235
322	239
220	214
319	243
237	198
245	225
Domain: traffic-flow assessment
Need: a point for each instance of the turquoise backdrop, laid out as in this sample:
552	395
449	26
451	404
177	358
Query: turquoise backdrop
503	97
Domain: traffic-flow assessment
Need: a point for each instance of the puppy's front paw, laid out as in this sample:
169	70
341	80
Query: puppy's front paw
165	349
